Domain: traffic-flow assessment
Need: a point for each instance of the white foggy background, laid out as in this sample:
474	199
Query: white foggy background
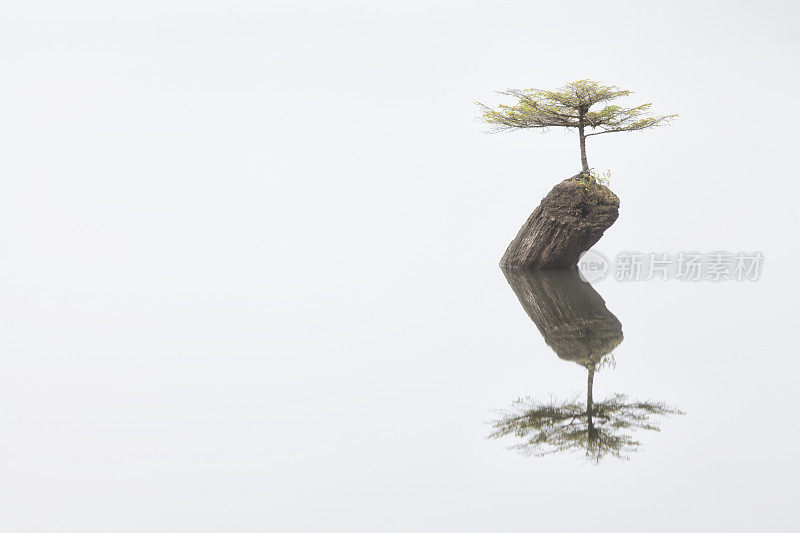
248	265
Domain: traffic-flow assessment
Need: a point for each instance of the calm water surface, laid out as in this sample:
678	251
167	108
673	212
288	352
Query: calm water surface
367	406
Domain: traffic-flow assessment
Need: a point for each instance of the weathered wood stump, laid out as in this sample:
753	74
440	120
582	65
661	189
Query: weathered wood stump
569	221
571	316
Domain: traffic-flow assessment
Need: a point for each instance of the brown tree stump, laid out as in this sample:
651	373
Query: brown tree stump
569	221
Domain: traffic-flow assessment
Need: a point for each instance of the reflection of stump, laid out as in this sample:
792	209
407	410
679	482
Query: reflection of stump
571	316
569	221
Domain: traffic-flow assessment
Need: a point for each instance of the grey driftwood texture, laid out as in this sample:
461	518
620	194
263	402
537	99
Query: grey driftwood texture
569	221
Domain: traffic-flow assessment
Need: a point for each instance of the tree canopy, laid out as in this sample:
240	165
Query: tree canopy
570	107
598	428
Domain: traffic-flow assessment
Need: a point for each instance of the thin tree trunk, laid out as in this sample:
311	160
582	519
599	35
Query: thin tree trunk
584	161
590	404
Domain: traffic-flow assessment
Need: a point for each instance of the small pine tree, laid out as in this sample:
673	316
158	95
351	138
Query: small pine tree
570	107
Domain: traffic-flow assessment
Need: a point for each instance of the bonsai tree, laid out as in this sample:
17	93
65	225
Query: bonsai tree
570	107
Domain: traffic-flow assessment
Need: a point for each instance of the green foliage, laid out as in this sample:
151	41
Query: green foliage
594	177
599	430
570	107
607	361
603	178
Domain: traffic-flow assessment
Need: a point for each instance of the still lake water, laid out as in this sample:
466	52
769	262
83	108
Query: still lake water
372	413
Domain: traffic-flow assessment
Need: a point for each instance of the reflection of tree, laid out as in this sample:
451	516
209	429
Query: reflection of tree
600	428
574	321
